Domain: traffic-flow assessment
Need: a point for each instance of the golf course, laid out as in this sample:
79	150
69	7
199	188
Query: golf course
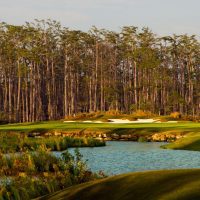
137	167
99	100
190	130
177	184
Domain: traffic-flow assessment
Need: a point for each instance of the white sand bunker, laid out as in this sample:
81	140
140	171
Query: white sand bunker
88	121
125	121
95	122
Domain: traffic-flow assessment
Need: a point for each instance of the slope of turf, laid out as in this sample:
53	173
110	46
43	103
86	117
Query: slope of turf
153	185
190	142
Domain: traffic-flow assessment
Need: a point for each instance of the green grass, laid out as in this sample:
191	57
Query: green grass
77	126
190	142
155	185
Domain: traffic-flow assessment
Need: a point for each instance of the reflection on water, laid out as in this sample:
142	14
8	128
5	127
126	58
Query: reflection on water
122	157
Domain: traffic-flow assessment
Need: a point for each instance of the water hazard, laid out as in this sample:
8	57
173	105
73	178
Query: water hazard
123	157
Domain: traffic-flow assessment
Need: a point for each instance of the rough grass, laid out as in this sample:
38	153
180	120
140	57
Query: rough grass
33	174
14	142
112	114
153	185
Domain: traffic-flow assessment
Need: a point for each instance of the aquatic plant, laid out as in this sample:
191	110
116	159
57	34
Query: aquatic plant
16	142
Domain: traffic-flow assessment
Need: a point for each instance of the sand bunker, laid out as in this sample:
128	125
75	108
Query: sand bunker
98	122
95	122
125	121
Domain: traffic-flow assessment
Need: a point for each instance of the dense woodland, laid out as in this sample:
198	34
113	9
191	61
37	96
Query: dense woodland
48	72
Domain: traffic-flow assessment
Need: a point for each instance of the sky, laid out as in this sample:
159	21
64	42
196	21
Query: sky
164	17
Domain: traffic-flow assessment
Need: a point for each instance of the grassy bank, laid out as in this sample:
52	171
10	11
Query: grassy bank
15	142
156	185
190	142
190	129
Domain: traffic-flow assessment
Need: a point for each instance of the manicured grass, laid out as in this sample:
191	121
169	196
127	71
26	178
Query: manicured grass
77	126
190	142
154	185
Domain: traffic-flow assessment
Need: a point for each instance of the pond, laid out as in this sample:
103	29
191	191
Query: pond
123	157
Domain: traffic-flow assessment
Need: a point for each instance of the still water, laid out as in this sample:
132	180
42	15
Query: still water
123	157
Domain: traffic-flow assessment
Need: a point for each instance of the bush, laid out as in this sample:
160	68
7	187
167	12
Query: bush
81	116
175	115
190	118
16	142
142	114
95	115
35	174
113	112
142	139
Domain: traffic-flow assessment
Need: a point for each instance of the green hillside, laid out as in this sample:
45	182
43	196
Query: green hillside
153	185
190	142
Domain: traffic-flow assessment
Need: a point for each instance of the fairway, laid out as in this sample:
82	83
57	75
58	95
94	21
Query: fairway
59	125
155	185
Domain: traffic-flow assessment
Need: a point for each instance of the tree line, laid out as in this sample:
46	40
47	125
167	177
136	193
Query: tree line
48	71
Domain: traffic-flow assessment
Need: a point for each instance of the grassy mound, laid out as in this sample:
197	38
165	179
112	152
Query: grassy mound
154	185
190	142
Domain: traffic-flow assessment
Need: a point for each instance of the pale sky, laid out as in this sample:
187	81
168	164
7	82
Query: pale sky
162	16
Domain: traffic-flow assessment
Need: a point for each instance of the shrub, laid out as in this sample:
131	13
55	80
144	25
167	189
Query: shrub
190	118
113	112
15	142
81	116
142	114
175	115
33	174
142	139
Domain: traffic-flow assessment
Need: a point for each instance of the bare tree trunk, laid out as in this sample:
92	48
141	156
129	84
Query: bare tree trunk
9	99
19	91
135	84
